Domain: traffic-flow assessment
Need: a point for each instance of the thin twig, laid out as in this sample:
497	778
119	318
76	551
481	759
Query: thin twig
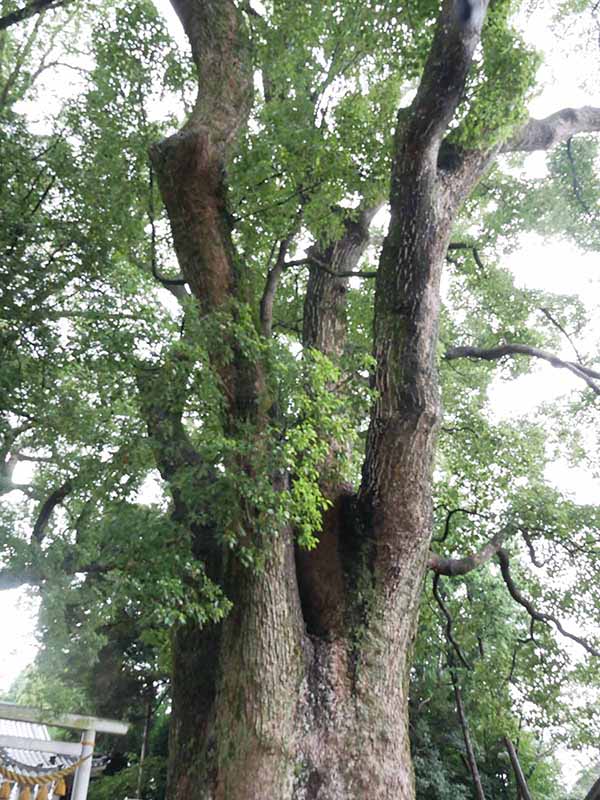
557	324
448	630
471	760
539	616
311	261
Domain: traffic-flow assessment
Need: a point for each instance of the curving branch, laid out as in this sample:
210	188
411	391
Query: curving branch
542	134
448	630
448	521
472	248
492	353
550	317
441	88
532	554
536	615
461	566
168	283
41	523
28	11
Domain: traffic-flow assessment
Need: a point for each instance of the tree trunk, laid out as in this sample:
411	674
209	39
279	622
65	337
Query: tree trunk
302	692
262	709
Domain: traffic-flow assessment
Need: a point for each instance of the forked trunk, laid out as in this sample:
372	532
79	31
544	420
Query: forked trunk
302	692
263	708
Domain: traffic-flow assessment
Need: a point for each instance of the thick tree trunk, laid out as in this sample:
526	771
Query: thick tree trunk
261	709
302	692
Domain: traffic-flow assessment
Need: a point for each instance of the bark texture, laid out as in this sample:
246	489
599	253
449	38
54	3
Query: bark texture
302	692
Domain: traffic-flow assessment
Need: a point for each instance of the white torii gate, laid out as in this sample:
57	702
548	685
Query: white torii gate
88	725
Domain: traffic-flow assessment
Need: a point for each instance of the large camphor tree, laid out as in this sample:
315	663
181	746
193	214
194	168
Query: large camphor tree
286	394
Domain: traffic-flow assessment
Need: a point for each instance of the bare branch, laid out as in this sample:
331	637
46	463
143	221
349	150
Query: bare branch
542	134
461	566
493	353
41	523
28	11
534	560
446	613
516	765
449	516
471	760
538	616
546	312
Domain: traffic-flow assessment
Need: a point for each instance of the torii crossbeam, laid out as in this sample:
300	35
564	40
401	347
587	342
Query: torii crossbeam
84	750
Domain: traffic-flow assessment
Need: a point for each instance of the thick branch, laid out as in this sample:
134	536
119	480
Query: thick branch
14	578
331	267
542	134
272	282
57	496
457	34
461	566
493	353
11	578
28	11
220	49
191	165
538	616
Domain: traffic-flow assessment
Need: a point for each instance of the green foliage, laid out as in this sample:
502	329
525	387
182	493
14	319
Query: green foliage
93	348
125	782
500	84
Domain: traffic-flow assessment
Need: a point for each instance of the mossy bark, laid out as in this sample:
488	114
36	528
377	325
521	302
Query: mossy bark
301	693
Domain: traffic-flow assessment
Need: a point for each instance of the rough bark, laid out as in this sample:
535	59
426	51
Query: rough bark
324	324
542	134
302	692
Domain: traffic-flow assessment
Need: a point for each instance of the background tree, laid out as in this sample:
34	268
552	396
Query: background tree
287	567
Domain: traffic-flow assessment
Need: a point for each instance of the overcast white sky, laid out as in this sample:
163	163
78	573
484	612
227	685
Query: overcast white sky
552	266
